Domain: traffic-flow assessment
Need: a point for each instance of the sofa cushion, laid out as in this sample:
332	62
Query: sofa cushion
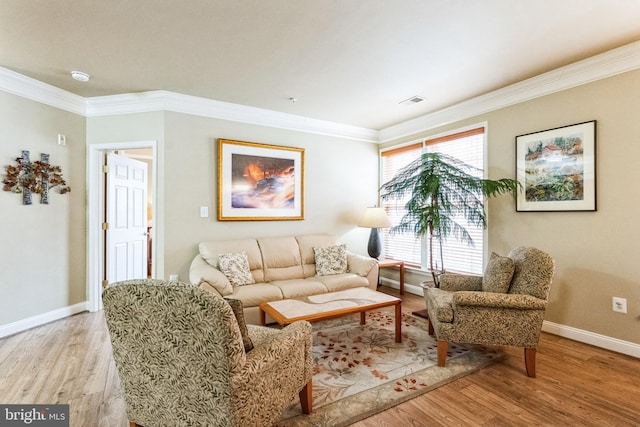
498	274
235	266
211	249
236	306
331	260
340	282
306	244
298	288
281	258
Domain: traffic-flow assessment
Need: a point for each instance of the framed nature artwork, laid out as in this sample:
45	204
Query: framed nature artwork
557	169
259	182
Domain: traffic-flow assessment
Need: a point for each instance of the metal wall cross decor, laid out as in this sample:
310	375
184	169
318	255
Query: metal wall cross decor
34	177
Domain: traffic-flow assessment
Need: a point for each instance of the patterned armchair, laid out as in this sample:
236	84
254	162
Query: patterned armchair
505	307
181	360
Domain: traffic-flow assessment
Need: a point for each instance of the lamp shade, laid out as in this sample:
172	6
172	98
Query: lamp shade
375	218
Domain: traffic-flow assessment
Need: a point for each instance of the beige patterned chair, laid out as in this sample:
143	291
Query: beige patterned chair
181	360
504	307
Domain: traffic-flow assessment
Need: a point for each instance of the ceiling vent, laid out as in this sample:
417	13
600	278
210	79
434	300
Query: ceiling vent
413	100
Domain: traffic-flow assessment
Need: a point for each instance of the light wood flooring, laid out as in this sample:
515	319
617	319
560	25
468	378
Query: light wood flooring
69	361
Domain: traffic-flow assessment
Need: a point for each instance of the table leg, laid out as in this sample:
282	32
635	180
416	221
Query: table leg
261	314
399	322
402	279
363	317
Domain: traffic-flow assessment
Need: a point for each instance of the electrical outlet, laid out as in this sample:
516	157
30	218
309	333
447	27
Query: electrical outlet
173	277
62	140
619	305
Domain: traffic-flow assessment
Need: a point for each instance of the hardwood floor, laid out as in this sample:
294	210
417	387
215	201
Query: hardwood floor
69	361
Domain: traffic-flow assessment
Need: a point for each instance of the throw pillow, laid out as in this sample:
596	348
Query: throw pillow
236	306
498	274
331	260
236	267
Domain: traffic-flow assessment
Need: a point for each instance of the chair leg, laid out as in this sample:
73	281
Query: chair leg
431	331
530	361
132	424
306	398
443	346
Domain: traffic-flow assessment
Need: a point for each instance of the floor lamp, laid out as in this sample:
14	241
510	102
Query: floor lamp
374	218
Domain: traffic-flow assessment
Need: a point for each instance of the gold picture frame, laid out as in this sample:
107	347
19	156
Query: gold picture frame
259	182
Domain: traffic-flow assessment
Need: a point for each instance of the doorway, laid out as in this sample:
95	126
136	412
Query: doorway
102	261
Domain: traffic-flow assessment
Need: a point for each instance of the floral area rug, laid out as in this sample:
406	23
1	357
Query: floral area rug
360	370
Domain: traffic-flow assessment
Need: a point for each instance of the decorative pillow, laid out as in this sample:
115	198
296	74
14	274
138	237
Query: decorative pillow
236	306
498	274
331	260
236	267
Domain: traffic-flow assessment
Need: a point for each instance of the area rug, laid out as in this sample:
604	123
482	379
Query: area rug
360	370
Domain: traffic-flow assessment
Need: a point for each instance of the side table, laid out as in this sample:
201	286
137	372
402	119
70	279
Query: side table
382	263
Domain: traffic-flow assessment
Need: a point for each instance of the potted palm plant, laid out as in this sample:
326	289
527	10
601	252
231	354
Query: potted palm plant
442	188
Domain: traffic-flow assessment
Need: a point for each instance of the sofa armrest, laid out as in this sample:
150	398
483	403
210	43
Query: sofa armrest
454	282
498	300
359	264
203	274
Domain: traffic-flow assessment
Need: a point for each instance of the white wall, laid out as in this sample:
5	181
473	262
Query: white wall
42	247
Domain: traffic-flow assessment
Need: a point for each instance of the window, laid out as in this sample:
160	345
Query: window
467	146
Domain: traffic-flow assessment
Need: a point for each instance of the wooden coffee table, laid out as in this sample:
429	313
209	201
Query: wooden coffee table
331	305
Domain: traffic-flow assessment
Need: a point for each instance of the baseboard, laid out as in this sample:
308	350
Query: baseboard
41	319
597	340
409	288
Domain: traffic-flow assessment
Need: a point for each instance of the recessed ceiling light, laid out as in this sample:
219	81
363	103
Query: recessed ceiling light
413	100
80	76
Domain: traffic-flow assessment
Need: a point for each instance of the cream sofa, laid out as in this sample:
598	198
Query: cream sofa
282	267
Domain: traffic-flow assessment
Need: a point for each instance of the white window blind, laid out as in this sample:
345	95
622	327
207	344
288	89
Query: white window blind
401	246
467	146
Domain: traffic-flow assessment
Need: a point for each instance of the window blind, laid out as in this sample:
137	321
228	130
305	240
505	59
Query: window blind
401	246
468	147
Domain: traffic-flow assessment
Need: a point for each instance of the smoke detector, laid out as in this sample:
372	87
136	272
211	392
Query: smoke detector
413	100
80	76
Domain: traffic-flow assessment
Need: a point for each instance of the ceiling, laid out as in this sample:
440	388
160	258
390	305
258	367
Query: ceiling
345	61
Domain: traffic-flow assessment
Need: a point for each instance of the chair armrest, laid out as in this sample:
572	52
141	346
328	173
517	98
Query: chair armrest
498	300
360	264
281	347
454	282
274	373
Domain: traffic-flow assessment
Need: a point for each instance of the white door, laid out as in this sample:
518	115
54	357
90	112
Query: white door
126	234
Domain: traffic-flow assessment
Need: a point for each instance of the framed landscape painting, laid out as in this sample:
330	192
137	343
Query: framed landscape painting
557	169
259	182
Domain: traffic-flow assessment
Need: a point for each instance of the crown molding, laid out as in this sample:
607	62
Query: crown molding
608	64
613	62
179	103
35	90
